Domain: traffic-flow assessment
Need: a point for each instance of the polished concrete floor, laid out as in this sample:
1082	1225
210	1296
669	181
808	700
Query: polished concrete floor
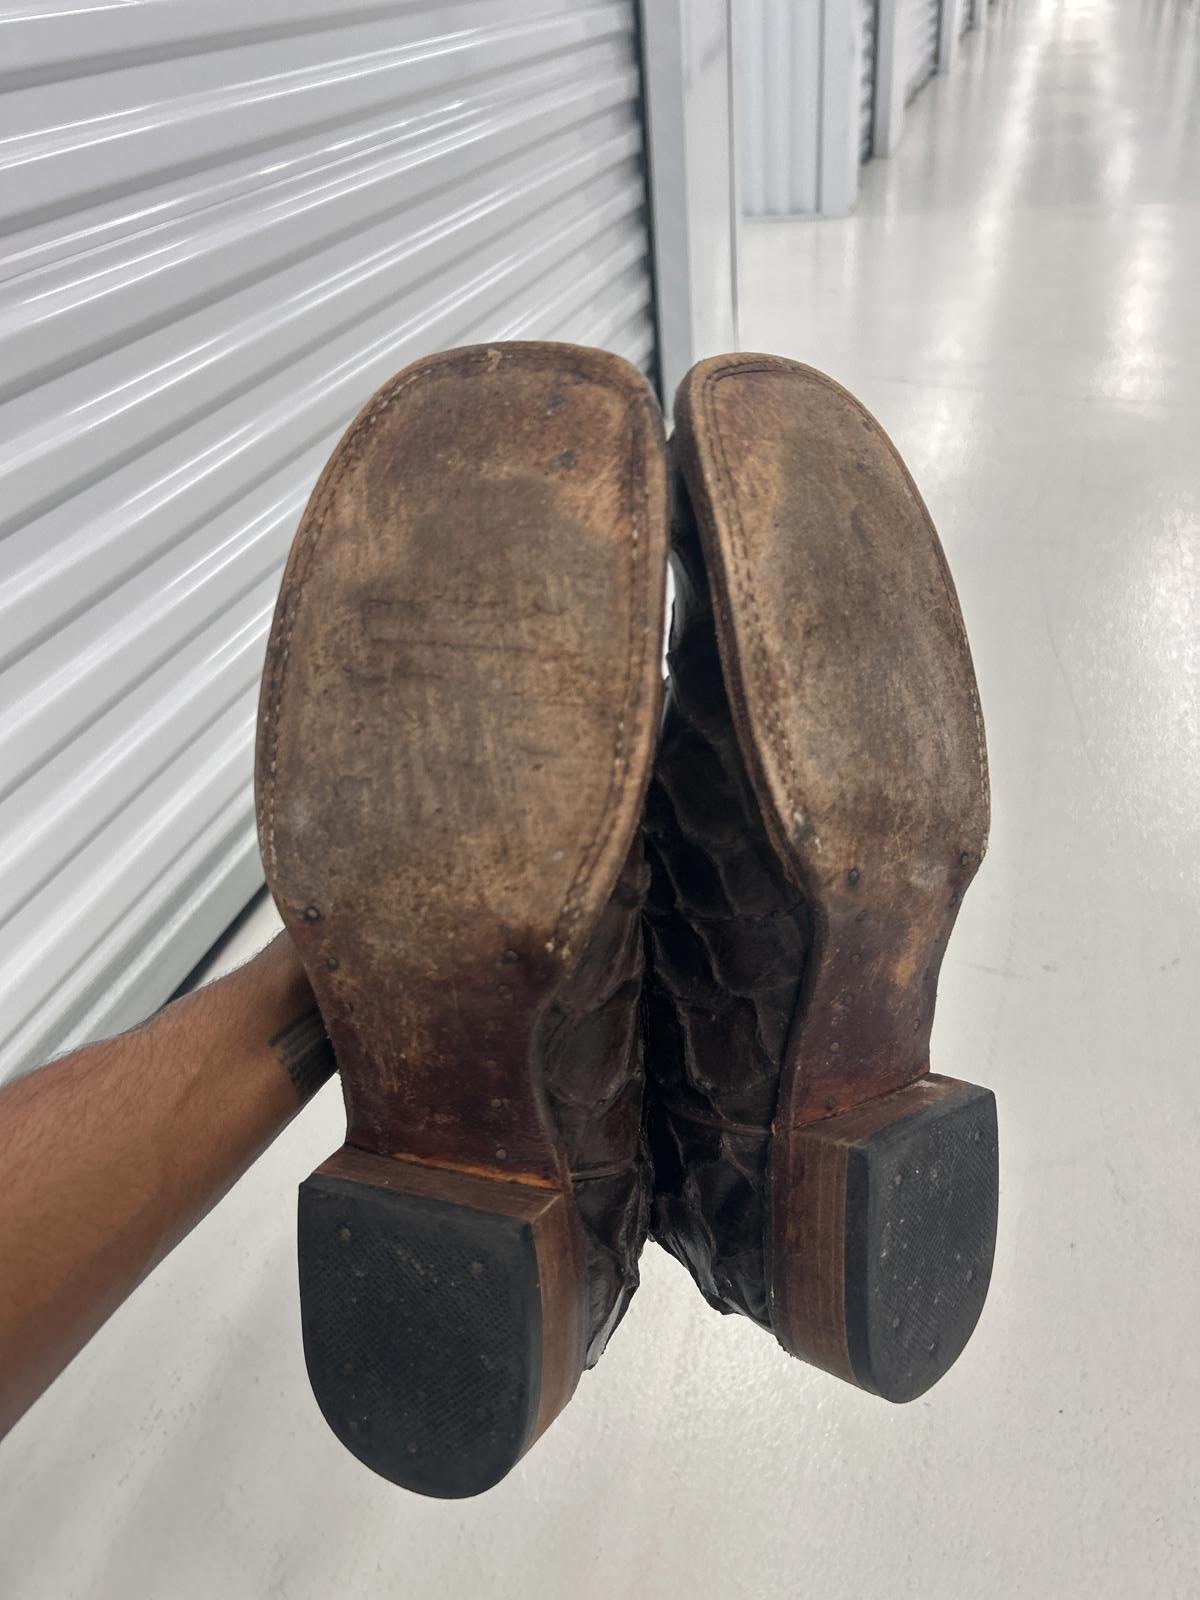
1018	299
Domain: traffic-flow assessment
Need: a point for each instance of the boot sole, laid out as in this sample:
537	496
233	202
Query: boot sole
854	700
456	729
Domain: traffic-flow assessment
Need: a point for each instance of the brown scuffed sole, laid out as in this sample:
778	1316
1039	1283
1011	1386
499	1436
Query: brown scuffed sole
457	722
854	699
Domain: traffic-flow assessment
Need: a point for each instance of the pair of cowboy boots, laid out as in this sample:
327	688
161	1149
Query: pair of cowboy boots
588	968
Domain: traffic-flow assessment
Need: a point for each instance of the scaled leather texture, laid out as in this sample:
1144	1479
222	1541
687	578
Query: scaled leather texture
591	1054
728	939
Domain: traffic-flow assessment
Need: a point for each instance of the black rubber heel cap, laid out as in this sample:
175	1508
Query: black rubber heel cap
921	1204
422	1333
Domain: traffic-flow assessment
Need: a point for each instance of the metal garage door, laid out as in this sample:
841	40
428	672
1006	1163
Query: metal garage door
227	223
779	112
870	35
923	20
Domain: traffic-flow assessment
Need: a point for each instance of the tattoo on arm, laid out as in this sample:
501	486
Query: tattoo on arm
306	1053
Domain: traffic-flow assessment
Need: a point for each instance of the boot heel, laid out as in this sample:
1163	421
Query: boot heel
885	1248
442	1316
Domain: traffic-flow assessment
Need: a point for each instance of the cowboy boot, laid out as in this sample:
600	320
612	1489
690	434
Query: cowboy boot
819	805
458	716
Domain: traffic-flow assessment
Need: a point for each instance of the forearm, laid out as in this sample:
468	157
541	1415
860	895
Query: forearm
113	1153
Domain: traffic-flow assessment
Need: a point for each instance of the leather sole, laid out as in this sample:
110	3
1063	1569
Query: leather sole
854	700
457	723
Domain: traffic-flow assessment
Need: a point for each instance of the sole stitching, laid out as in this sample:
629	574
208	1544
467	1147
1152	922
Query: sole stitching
729	505
301	558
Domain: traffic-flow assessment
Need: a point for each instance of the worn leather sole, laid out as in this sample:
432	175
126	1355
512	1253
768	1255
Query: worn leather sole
457	723
854	700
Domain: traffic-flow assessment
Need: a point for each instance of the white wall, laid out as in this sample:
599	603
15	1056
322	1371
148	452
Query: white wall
687	64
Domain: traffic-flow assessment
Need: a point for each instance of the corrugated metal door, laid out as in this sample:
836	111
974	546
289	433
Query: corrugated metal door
923	20
228	223
870	35
780	106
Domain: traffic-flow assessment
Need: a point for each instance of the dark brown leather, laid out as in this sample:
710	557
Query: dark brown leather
459	716
728	938
591	1055
819	806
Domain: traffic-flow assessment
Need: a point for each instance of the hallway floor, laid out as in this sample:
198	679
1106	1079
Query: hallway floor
1018	300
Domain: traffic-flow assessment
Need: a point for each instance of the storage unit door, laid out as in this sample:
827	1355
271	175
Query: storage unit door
227	224
780	101
923	18
870	34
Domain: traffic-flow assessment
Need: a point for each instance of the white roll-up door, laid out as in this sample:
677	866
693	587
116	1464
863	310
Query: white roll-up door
923	22
870	35
780	106
227	223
